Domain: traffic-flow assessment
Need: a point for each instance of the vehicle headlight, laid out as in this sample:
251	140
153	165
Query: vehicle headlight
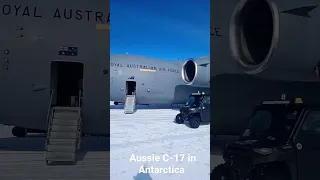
263	151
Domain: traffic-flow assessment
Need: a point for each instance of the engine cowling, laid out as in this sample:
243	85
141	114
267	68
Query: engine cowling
266	38
196	72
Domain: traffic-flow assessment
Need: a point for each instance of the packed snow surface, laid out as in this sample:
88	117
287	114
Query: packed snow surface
175	151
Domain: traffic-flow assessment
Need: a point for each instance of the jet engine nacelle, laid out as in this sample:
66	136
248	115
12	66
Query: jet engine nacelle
196	72
270	39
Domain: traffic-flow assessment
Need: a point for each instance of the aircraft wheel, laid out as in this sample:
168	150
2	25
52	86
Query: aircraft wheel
222	171
179	119
194	122
115	103
19	132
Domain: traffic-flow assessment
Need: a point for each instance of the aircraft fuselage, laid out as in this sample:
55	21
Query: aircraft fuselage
157	81
46	47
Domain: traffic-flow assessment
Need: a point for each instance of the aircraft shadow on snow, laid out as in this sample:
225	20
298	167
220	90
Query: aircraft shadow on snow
151	106
36	142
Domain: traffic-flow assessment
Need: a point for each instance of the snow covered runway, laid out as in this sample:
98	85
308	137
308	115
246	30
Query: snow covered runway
152	132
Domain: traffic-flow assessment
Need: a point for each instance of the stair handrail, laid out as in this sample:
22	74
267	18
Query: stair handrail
79	128
125	101
49	113
134	103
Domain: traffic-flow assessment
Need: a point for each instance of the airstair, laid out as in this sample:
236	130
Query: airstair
63	133
130	104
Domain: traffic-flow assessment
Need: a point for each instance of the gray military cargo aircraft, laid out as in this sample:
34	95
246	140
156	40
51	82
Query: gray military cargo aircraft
261	49
52	51
156	81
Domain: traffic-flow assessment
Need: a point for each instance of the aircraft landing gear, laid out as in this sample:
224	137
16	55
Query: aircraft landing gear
115	103
19	132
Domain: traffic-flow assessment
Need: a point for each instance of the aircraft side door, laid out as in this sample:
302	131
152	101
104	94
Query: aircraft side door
307	145
206	110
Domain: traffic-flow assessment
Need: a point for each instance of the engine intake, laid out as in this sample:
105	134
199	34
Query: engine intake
189	71
254	34
192	75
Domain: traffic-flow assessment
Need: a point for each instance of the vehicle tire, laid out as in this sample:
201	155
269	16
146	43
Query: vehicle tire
179	119
222	171
194	122
19	132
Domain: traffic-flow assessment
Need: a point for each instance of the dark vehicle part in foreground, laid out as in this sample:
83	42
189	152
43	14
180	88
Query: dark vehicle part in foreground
196	110
281	142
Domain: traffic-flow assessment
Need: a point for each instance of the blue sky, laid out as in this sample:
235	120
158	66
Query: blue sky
167	29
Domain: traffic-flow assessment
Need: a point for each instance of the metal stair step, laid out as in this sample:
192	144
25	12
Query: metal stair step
63	142
65	115
63	135
62	139
62	128
129	107
64	109
65	122
60	156
60	148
